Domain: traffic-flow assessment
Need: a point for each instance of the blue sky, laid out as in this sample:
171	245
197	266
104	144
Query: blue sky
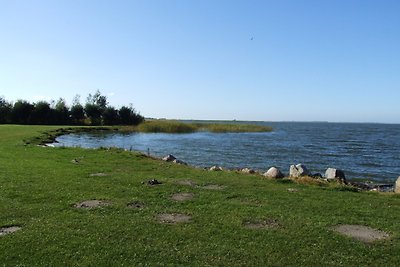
246	60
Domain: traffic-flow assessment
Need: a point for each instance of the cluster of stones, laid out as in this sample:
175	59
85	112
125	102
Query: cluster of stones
300	170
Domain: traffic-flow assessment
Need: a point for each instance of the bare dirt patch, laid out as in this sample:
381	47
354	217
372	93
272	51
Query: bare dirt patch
173	218
214	187
267	223
136	205
361	233
9	230
90	204
186	182
182	196
99	174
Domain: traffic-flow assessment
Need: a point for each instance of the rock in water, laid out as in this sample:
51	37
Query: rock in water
298	170
335	174
397	186
274	173
169	158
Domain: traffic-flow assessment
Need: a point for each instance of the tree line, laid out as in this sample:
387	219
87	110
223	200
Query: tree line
96	111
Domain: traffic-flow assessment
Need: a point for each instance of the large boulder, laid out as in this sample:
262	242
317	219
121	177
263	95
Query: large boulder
169	158
335	174
397	186
298	171
274	173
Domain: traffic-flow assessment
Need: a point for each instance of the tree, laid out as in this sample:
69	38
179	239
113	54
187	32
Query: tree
128	116
21	112
61	112
95	106
5	111
93	112
41	113
110	116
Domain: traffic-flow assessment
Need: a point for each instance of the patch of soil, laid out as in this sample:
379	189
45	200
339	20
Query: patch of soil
99	174
90	204
182	196
136	205
361	233
261	224
214	187
9	230
186	182
173	218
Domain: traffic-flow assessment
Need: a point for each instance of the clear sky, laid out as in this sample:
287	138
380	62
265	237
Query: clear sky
247	60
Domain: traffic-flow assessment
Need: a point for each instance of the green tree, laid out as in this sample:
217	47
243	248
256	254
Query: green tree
128	116
61	112
41	113
110	116
21	112
5	111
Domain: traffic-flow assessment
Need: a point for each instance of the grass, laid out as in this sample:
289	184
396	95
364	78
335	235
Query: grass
39	186
170	126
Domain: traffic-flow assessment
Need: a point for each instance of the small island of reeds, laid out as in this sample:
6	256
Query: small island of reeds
173	126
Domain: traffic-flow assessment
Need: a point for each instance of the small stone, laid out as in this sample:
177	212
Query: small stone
298	171
274	173
153	182
216	168
397	186
248	170
169	158
178	161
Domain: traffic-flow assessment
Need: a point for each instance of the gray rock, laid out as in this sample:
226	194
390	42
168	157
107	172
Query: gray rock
397	186
335	174
274	173
248	170
169	158
215	168
298	170
178	161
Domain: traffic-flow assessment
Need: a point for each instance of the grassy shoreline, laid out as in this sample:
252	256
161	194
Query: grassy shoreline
40	186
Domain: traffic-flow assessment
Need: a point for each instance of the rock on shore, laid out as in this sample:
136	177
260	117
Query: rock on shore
397	186
298	170
335	174
274	173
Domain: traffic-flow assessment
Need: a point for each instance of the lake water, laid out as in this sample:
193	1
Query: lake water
369	151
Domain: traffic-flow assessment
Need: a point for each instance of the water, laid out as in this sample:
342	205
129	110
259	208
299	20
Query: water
368	151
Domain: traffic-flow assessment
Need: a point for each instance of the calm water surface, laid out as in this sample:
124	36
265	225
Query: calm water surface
370	151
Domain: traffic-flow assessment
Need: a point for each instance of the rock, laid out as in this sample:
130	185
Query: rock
153	182
178	161
248	170
215	168
397	186
335	174
274	173
169	158
298	170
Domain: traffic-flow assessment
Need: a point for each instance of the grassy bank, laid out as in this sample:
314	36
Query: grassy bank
39	187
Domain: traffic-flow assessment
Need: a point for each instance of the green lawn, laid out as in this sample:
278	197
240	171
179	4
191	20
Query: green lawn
40	185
